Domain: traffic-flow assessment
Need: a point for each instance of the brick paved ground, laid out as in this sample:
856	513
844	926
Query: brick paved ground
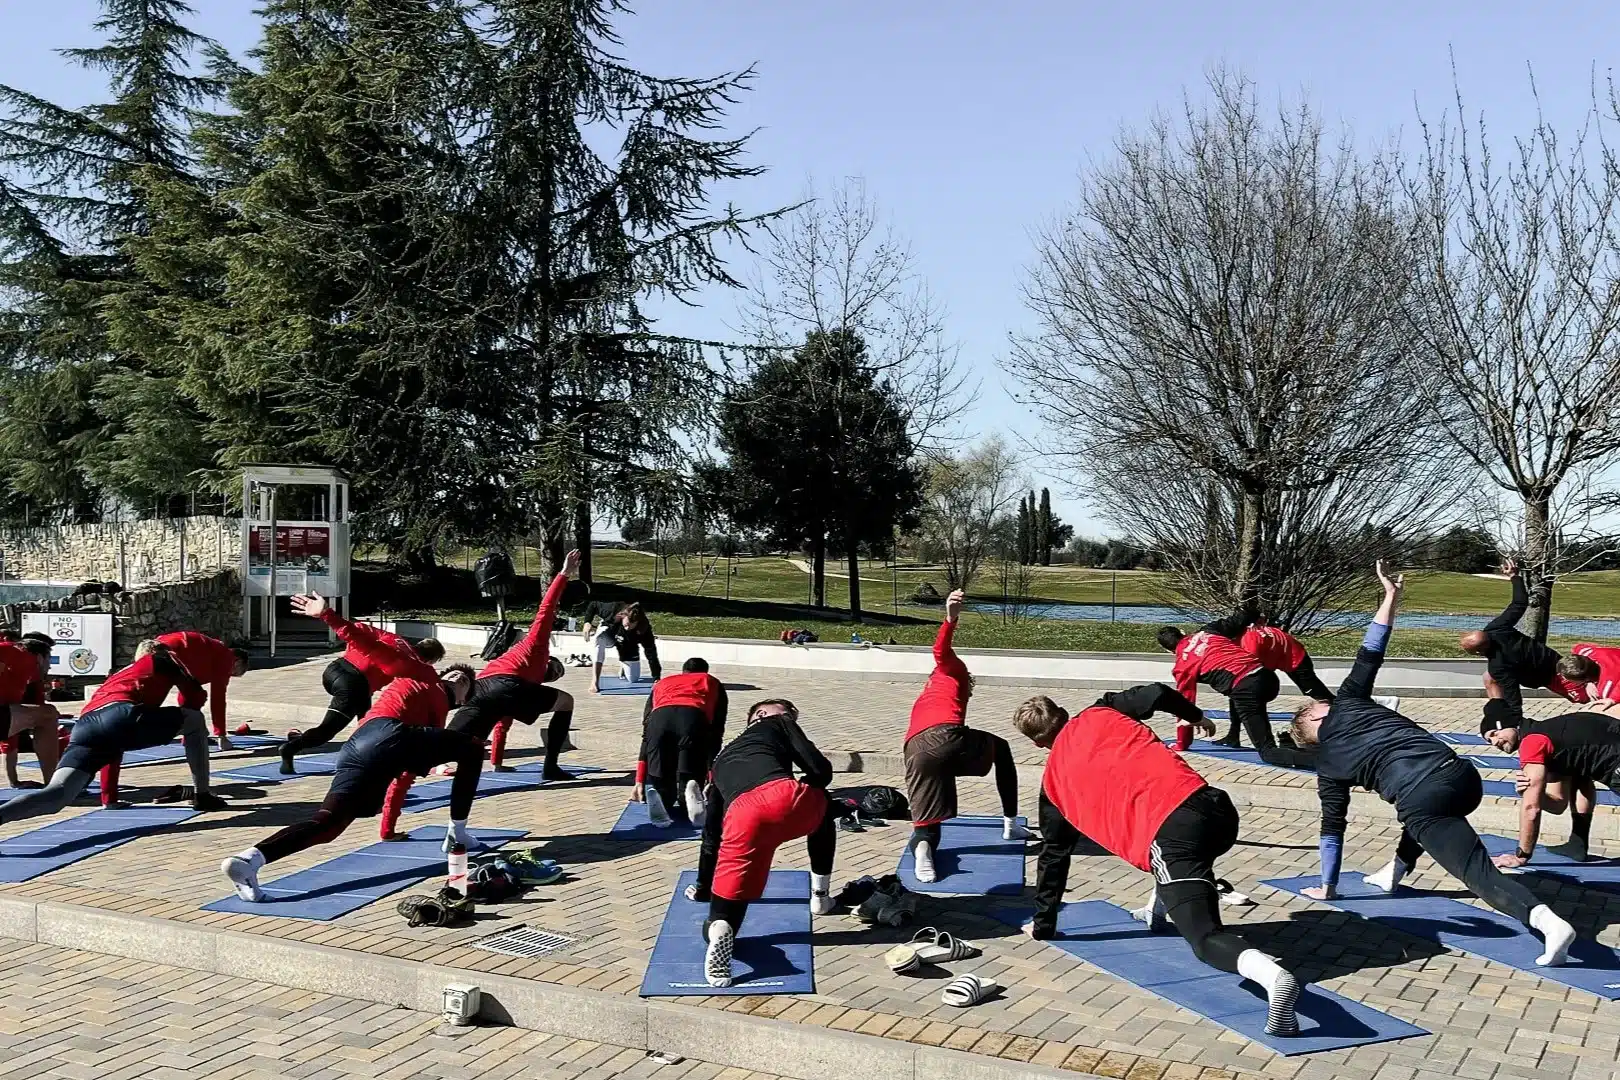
1057	1011
85	1016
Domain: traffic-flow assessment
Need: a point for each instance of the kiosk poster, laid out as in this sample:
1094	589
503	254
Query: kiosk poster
308	557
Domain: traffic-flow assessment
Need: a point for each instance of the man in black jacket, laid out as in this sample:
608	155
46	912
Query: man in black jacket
1514	660
1362	743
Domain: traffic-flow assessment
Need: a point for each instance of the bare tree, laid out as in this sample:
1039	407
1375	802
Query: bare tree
1516	306
964	498
835	267
1219	343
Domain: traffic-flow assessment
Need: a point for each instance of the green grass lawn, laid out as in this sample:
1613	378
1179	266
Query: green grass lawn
770	594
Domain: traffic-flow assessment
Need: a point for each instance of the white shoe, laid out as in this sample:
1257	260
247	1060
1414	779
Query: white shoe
923	855
695	807
717	957
657	812
245	878
821	903
225	742
1015	831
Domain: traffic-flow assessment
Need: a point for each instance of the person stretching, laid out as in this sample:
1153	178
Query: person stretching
126	713
1111	779
1595	668
627	631
682	729
1362	743
1561	761
372	658
212	664
403	733
24	666
939	747
754	806
1213	656
1514	660
513	686
1281	651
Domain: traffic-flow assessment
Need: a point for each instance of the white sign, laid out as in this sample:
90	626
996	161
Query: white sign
291	582
83	642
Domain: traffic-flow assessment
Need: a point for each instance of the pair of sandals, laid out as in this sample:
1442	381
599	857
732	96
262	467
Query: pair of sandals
932	946
444	908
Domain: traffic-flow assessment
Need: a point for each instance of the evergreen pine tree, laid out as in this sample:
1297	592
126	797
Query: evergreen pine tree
1044	543
74	200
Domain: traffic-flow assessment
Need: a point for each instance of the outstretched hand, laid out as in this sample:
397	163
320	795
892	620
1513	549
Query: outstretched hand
311	605
953	605
1392	585
1510	568
571	564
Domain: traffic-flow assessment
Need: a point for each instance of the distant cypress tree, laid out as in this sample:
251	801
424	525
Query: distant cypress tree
1044	532
85	416
1024	527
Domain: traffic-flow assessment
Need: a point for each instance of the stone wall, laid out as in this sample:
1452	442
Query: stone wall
211	604
130	552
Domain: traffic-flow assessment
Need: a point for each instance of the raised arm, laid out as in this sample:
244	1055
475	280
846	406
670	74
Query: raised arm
545	616
1370	657
1516	607
945	658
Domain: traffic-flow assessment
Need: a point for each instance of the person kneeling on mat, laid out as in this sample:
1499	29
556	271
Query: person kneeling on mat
212	664
939	747
372	658
126	713
1110	779
24	666
1363	743
403	733
682	729
513	687
1561	759
754	806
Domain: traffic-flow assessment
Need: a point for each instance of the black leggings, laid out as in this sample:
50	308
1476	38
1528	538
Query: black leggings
822	845
1250	700
1434	819
1309	682
351	697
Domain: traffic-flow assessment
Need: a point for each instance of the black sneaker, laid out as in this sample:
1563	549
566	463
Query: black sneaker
553	773
287	766
207	800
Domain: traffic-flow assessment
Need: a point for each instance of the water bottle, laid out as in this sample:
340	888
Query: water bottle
458	869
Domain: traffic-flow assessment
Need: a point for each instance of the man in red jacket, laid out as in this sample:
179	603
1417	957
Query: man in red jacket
513	685
1110	779
372	658
1281	651
940	747
682	729
212	664
126	713
403	733
1593	670
24	666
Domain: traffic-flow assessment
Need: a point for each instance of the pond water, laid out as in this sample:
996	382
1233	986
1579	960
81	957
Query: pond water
1561	626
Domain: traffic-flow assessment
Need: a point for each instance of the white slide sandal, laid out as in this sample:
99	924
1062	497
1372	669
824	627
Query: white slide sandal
966	990
939	947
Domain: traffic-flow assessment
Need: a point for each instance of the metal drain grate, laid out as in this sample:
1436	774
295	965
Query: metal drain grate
524	941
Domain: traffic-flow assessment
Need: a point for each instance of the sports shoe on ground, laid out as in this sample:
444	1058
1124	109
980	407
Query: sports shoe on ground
533	870
244	878
207	800
224	743
553	775
287	766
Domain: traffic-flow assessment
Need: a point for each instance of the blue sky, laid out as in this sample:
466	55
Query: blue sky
971	121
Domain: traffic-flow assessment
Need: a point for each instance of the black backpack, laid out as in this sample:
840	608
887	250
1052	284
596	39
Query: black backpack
494	574
885	802
502	636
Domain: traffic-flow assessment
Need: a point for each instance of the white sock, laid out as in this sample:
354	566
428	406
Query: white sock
923	853
820	883
254	858
1282	989
695	807
1558	934
1389	877
1011	830
657	812
1256	966
821	901
457	834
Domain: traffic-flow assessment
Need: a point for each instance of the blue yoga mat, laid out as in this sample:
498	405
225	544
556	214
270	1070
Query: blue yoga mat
1225	714
1243	755
436	793
773	954
356	879
65	842
1482	932
269	772
972	860
624	689
1460	738
176	751
634	824
1106	936
1506	790
1491	761
1595	873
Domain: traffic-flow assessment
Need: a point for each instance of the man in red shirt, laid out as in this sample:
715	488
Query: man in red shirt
1594	670
403	733
372	658
126	713
1281	651
212	664
513	685
1110	779
940	747
682	729
24	666
1215	657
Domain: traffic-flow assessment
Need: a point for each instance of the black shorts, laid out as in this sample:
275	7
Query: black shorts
379	751
351	693
498	697
101	737
935	757
1199	831
675	743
